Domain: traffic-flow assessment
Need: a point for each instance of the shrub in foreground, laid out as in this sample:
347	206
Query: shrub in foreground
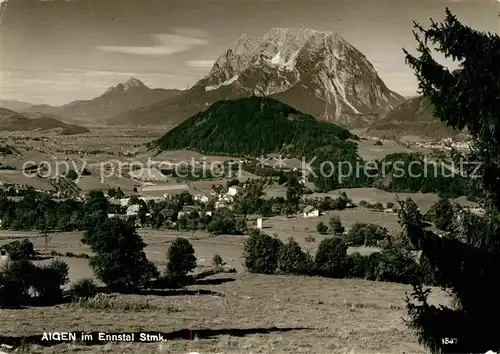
292	260
261	253
83	289
331	258
15	280
356	265
49	279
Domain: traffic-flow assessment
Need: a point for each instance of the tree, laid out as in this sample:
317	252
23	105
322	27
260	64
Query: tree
356	264
119	261
48	280
112	193
72	175
442	214
23	250
322	228
217	261
331	258
362	234
466	98
181	258
397	265
15	280
292	260
293	190
261	253
83	289
336	225
119	193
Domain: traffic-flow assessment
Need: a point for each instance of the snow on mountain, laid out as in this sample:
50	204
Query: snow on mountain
318	73
321	63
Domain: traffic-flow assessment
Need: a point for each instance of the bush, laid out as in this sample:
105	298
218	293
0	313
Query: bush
49	279
336	225
83	289
331	258
371	265
181	259
356	265
23	250
390	205
442	214
217	261
397	265
310	238
292	260
322	228
261	253
362	234
109	302
72	175
233	182
15	280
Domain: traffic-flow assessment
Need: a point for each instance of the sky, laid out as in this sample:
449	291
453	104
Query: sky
56	51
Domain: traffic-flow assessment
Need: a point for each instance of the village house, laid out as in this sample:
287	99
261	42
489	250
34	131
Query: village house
311	212
188	209
133	210
201	198
232	191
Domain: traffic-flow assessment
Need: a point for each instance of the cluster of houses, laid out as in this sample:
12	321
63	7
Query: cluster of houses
222	200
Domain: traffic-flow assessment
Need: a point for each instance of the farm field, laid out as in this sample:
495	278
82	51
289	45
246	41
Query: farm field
275	314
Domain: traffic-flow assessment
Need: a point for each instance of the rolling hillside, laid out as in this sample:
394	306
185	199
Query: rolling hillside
253	126
14	121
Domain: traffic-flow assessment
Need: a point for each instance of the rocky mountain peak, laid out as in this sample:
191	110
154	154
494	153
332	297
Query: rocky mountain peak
133	82
125	86
303	62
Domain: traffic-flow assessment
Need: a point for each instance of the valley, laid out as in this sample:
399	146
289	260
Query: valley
248	177
323	316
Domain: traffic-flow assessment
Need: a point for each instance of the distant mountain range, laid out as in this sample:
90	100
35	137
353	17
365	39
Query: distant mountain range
15	105
117	99
318	73
14	121
415	117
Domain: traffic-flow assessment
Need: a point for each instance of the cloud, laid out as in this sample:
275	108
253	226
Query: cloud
166	44
200	63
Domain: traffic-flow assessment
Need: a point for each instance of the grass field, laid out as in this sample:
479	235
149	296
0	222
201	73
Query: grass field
314	315
273	314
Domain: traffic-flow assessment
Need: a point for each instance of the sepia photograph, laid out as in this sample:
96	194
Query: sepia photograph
249	176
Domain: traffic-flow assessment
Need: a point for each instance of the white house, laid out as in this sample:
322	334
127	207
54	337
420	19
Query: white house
124	202
232	191
133	209
201	198
259	223
311	212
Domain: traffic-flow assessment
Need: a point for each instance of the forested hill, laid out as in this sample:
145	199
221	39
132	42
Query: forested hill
254	126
